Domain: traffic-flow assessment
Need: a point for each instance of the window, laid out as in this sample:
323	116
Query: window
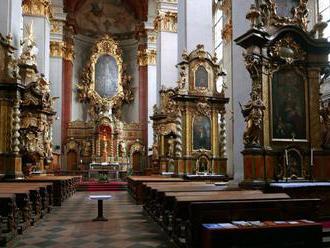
324	10
217	29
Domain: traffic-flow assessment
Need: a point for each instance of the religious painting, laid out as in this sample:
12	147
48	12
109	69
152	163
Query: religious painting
284	8
106	76
202	133
201	77
288	105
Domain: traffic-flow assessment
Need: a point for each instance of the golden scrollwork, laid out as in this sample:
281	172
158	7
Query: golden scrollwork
57	49
56	26
37	8
227	31
289	47
299	16
152	37
166	22
86	86
8	65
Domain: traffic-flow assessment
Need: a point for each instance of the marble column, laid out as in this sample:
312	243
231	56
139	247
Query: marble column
39	13
11	21
165	24
57	49
195	25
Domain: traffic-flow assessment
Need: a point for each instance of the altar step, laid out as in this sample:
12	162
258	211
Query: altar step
326	237
100	186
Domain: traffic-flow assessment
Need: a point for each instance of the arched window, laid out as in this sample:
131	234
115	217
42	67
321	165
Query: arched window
323	7
217	29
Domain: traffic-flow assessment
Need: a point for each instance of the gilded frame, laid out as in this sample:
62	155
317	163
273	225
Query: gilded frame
298	71
86	87
192	132
193	70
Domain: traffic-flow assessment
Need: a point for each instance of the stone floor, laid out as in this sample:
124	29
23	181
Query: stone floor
71	225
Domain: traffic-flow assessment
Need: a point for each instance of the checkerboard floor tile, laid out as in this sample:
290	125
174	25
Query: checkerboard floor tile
71	225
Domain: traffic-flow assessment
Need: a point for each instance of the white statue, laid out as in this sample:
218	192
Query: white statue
29	49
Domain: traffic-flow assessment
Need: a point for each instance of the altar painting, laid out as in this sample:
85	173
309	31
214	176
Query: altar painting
106	76
288	105
284	8
201	79
202	133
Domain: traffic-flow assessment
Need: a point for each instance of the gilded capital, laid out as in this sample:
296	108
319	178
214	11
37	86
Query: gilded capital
166	22
56	26
37	8
69	51
146	57
57	49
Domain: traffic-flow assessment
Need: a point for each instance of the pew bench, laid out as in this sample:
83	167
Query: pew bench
9	213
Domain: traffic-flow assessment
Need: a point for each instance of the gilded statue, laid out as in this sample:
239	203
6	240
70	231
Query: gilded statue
325	125
253	113
155	154
171	144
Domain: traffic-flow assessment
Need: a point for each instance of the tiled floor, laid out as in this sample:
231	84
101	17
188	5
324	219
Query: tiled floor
71	225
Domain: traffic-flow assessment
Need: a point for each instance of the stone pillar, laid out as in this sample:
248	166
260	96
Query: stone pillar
57	49
195	25
38	12
165	24
11	21
240	84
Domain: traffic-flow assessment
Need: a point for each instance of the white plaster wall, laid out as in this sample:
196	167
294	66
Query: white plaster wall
82	50
168	47
195	24
152	99
241	83
11	20
55	76
41	31
130	112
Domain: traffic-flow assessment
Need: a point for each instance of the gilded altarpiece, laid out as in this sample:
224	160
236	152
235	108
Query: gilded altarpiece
189	137
104	87
282	138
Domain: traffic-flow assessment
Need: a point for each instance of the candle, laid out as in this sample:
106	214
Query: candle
286	157
312	156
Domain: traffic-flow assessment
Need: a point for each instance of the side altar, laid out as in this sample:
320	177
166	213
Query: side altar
287	130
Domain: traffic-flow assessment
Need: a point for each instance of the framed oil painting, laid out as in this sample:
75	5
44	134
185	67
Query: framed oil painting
284	8
201	77
106	76
202	133
288	106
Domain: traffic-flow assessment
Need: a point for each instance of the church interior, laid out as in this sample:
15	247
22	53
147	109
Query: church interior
178	123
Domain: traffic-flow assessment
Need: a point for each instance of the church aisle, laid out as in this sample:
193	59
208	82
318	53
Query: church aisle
71	225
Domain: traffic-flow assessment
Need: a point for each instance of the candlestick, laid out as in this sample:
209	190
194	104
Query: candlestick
286	157
312	156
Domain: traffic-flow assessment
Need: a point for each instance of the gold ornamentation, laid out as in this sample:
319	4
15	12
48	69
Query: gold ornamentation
152	37
57	49
227	31
69	51
56	26
270	17
289	48
37	8
204	108
226	6
86	86
147	57
166	22
29	49
8	65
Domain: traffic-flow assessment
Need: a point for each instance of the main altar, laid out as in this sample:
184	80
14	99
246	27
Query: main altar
103	138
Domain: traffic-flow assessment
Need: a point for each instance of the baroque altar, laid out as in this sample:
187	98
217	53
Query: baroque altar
104	87
189	122
283	138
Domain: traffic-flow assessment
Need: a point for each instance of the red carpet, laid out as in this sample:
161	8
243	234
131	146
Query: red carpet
102	186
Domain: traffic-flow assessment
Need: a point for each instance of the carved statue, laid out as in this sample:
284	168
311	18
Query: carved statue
253	113
29	49
122	149
171	142
155	155
86	148
325	125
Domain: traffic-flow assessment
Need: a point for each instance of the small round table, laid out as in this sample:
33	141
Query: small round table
100	199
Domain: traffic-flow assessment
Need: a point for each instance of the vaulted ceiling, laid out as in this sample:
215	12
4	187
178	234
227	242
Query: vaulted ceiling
139	7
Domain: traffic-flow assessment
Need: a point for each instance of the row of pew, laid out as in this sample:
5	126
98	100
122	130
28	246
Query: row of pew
182	207
24	202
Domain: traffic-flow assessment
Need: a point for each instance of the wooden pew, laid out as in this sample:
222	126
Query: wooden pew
8	211
270	234
247	210
134	184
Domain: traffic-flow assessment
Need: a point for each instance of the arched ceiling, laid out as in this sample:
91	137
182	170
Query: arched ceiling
94	17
